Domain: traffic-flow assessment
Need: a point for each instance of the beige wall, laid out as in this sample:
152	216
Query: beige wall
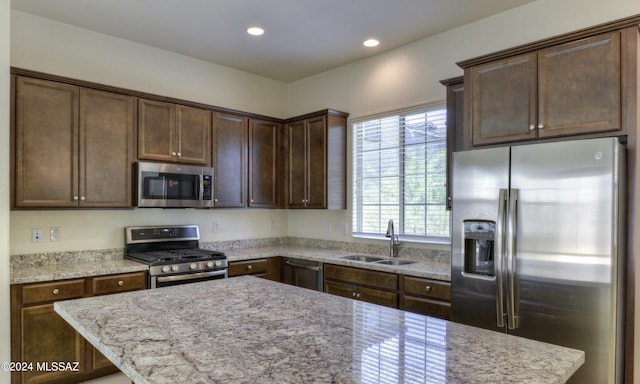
4	189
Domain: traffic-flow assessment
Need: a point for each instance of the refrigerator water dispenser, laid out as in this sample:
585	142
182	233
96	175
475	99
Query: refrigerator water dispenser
479	238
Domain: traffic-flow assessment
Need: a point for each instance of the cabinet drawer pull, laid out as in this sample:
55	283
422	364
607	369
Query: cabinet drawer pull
249	266
120	283
428	288
353	294
56	291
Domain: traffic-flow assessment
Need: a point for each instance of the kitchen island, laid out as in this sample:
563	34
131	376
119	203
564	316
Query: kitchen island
251	330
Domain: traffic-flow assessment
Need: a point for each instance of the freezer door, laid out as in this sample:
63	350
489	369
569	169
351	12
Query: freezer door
479	176
566	248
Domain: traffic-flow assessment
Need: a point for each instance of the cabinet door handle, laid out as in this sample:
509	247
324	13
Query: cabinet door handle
540	126
532	127
82	198
56	291
174	154
75	198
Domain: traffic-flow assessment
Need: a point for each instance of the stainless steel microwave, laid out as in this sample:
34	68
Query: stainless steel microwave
174	185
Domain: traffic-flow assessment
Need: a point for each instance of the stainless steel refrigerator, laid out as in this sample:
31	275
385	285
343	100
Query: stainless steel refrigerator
538	246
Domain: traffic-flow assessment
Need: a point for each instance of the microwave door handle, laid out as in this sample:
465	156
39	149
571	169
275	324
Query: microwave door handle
201	189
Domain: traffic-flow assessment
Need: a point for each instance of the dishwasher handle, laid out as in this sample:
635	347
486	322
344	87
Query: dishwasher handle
309	267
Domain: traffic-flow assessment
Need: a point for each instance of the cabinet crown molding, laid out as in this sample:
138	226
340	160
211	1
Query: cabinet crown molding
632	21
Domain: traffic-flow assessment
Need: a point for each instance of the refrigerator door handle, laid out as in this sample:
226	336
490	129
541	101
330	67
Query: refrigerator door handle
500	231
512	311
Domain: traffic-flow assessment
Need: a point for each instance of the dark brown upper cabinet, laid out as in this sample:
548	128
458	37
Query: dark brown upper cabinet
73	146
573	87
230	162
264	164
173	133
316	160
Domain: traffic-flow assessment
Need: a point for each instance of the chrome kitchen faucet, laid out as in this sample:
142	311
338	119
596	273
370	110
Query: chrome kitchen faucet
393	241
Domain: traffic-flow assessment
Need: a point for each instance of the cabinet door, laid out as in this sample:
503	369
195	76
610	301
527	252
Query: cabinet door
316	144
503	95
156	131
376	296
46	337
46	143
194	127
263	164
455	129
107	121
341	289
579	87
297	165
229	147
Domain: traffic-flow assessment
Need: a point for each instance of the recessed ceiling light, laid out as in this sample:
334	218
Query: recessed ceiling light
255	31
371	43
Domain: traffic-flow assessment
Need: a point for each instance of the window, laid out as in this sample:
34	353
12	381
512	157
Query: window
399	168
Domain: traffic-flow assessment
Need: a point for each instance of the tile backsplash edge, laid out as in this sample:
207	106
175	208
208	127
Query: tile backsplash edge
101	255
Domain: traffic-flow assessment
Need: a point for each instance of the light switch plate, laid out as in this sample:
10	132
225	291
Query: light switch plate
55	234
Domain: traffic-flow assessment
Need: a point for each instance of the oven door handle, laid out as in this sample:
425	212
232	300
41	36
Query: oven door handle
309	267
191	276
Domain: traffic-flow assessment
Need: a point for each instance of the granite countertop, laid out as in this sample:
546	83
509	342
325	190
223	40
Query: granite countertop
66	269
47	267
251	330
432	268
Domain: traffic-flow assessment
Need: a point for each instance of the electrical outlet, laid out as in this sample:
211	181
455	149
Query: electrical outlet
36	235
216	227
328	227
273	225
55	234
344	228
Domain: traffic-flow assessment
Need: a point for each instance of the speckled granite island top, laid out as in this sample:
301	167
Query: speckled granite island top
250	330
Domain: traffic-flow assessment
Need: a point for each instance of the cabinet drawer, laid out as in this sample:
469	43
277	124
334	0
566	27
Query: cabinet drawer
427	307
119	283
361	276
249	267
427	288
61	290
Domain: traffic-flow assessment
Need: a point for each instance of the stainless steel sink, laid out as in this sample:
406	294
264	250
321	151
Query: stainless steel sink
364	258
395	262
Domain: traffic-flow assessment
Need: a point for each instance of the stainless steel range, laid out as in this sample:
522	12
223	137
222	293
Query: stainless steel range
173	255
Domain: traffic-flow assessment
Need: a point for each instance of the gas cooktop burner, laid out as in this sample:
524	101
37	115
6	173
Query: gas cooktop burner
175	256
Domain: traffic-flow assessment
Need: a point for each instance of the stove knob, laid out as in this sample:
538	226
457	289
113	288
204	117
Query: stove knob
193	266
166	269
175	268
218	263
210	264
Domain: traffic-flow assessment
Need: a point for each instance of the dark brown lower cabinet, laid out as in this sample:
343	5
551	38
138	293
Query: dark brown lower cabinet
362	284
40	337
412	294
426	297
269	268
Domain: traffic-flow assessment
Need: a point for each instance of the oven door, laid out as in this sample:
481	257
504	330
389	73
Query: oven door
186	278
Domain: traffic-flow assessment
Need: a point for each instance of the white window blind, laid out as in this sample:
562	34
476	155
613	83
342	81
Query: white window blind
399	168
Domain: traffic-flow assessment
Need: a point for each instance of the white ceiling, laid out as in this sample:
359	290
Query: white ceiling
303	37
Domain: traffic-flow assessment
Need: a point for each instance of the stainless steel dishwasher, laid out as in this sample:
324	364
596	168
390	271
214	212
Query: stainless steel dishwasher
302	273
